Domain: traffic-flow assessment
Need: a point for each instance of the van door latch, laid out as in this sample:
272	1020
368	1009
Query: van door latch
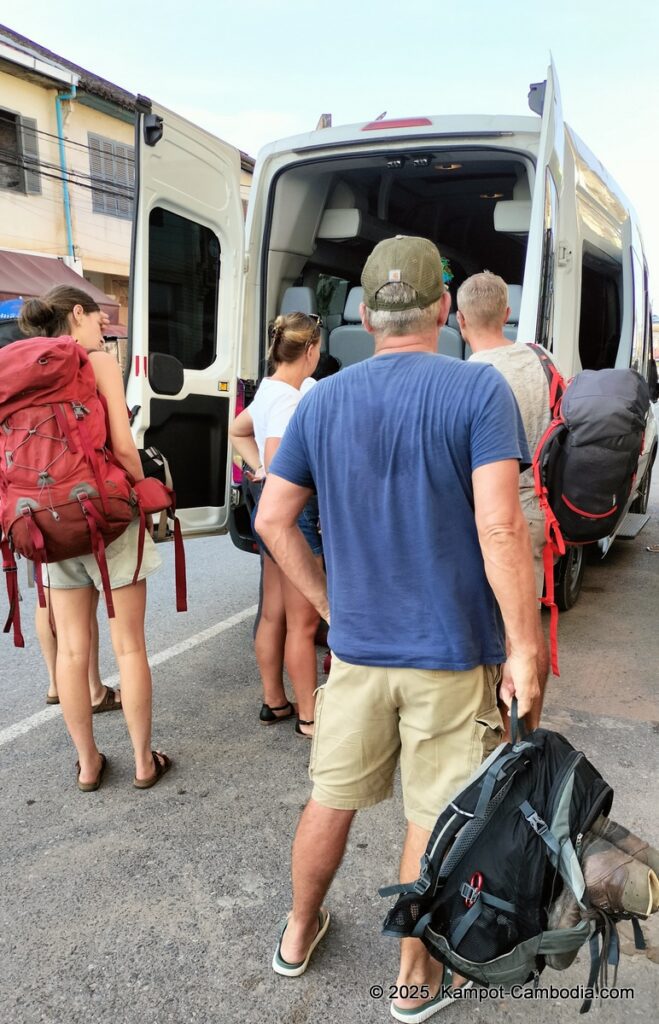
564	256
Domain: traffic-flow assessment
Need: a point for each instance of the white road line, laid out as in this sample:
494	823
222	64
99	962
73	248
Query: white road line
47	714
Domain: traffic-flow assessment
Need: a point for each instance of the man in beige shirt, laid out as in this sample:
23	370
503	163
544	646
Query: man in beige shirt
482	312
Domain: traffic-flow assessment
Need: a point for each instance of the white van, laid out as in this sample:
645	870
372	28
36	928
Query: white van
521	196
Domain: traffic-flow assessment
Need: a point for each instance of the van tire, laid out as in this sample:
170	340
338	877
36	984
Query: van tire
569	578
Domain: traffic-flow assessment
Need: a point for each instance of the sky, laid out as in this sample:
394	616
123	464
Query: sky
253	71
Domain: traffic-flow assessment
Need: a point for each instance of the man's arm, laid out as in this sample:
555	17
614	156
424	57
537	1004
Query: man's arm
505	543
276	522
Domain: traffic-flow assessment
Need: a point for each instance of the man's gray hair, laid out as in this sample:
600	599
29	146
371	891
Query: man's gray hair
397	323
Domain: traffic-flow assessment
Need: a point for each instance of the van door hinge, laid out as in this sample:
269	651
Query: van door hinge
564	255
246	264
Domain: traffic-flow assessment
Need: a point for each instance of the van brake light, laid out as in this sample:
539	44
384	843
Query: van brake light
401	122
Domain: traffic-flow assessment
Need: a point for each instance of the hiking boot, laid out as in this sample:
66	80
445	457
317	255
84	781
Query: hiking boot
616	881
625	840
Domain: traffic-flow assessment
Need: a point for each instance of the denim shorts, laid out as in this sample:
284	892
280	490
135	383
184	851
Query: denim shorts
307	521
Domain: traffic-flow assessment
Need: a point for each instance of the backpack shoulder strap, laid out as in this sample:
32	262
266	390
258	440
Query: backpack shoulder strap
555	380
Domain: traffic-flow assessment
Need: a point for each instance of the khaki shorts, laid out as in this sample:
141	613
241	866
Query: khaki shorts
442	724
535	517
121	556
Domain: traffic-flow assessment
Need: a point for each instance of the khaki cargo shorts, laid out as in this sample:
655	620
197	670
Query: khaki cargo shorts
121	556
440	724
535	517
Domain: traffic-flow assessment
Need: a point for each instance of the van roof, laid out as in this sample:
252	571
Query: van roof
410	129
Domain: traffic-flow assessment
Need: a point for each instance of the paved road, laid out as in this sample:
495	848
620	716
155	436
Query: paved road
160	907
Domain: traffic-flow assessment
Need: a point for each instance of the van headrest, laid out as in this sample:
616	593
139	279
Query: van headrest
298	300
353	302
515	302
512	216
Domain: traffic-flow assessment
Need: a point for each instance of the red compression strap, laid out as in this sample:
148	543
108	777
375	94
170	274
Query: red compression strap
93	459
140	544
39	558
62	423
94	521
179	563
11	579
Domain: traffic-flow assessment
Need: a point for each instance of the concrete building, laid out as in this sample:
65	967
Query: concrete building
67	167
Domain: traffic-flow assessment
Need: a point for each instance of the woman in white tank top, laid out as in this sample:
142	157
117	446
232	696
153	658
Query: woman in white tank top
287	623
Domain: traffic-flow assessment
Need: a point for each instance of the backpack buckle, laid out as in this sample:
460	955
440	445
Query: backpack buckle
472	890
537	824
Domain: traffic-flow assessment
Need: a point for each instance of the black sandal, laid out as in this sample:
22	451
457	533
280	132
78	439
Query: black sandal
298	731
267	714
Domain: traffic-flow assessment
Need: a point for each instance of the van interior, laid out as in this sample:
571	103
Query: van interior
474	203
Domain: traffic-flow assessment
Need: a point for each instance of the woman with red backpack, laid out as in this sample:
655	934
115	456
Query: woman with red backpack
69	312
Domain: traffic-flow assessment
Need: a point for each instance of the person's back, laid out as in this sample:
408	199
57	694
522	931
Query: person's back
519	364
405	572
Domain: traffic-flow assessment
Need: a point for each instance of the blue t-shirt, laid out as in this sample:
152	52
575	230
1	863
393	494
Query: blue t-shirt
390	445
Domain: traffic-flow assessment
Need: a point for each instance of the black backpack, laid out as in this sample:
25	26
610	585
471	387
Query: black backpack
585	463
499	855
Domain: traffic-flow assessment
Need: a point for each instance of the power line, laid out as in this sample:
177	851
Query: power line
97	185
68	142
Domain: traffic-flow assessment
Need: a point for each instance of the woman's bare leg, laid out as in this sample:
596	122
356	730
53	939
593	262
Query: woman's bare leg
72	609
129	644
300	650
270	637
48	644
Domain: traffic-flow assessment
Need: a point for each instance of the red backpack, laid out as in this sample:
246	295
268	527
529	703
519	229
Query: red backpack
62	492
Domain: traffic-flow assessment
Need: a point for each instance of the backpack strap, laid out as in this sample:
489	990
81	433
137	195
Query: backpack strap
554	543
555	379
95	522
541	828
11	579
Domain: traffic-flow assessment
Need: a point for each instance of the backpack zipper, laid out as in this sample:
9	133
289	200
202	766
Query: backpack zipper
570	764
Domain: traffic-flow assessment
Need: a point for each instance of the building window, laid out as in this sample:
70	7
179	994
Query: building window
19	153
112	167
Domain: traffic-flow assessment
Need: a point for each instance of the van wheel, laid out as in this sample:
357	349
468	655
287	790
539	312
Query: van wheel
640	502
569	578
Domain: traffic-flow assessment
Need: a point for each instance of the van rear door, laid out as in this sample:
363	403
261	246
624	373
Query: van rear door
537	294
186	289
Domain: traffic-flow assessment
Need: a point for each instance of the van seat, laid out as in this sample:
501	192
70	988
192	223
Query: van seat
449	343
515	303
301	299
350	343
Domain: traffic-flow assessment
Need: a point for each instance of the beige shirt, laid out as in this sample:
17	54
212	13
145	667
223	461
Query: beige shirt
523	371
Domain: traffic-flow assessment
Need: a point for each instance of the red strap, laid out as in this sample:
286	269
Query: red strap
39	548
11	579
93	459
140	544
62	423
94	521
179	568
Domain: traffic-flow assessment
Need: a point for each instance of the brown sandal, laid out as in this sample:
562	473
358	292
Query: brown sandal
161	767
109	702
91	787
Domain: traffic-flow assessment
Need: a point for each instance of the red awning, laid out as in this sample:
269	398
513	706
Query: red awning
25	276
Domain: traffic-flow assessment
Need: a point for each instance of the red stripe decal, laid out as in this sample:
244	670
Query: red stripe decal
137	366
144	365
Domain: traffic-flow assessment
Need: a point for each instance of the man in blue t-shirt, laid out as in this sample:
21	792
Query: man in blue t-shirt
415	458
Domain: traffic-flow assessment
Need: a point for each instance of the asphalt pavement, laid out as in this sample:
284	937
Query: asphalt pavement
161	907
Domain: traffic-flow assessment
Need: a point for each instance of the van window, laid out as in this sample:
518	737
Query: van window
184	280
600	319
640	315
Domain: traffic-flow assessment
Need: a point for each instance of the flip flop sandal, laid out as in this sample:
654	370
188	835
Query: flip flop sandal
91	787
161	766
109	702
432	1006
52	700
281	966
298	730
267	714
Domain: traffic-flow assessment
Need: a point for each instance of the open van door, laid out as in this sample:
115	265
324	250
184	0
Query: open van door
537	294
186	290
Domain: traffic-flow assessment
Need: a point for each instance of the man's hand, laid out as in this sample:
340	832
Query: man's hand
520	679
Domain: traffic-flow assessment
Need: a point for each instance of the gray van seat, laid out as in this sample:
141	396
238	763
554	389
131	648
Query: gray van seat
449	343
515	303
350	343
300	299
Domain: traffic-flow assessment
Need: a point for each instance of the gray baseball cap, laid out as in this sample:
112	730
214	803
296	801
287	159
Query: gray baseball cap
411	260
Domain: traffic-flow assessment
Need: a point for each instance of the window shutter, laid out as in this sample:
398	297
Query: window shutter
113	174
30	151
96	171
